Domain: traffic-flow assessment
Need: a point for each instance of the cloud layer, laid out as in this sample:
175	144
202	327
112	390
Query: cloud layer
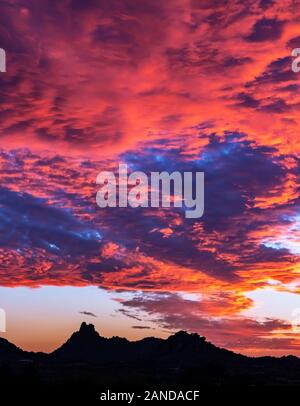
176	85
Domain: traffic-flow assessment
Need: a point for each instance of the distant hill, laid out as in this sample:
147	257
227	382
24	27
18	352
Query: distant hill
87	360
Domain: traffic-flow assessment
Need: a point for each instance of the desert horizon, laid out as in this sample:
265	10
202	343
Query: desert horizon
146	336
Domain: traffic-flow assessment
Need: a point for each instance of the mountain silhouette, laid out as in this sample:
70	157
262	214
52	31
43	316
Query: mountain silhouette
183	359
88	346
9	351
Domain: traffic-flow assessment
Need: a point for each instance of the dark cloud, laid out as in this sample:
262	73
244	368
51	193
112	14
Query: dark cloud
277	71
294	42
85	313
29	222
231	61
115	33
265	4
266	29
276	106
246	100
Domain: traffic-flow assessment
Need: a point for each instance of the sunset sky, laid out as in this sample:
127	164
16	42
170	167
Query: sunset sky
174	85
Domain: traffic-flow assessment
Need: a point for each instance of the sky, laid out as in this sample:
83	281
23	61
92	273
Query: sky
178	85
